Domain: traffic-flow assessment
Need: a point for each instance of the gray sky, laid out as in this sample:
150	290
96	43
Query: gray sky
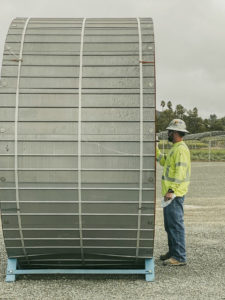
189	35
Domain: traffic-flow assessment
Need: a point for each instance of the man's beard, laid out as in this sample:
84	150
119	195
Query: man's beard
170	138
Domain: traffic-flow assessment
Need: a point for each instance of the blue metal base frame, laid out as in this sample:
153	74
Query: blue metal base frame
12	270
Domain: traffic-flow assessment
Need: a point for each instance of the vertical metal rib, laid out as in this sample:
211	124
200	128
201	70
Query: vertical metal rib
79	140
141	138
16	139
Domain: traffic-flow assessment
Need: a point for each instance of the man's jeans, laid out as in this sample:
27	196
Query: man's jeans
174	226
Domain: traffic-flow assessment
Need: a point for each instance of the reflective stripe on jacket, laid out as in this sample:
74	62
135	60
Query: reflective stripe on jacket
177	169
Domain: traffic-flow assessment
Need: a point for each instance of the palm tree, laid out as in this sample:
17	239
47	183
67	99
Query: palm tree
169	104
163	104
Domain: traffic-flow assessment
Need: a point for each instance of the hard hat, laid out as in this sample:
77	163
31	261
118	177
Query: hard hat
177	125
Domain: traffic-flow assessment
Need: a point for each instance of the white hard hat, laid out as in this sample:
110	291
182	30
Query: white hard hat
177	125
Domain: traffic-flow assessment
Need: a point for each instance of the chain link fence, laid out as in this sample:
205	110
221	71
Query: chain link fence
208	146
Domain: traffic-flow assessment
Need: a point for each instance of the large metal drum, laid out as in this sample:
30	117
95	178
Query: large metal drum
77	146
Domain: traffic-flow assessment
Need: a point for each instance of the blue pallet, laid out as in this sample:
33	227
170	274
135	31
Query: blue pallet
13	271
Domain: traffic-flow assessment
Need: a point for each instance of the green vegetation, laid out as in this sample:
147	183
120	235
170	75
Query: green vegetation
199	150
195	124
209	148
203	155
216	141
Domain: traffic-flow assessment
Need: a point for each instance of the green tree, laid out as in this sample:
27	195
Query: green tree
180	111
163	119
163	104
216	124
169	105
194	123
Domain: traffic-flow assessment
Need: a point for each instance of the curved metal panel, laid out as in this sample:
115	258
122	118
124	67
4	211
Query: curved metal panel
77	147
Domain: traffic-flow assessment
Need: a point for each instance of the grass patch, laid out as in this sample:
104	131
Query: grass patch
203	155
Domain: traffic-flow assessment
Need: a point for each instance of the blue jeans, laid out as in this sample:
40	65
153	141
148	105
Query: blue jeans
174	226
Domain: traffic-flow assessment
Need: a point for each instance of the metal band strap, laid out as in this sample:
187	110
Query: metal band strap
16	139
141	138
79	140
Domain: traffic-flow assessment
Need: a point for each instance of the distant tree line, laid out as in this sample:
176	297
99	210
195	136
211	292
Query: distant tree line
195	124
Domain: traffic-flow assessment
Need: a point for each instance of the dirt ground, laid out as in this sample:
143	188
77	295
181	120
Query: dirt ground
202	278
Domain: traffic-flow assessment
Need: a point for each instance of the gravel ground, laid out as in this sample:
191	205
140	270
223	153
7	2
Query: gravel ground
202	278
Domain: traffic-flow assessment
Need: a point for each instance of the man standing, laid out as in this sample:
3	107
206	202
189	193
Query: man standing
175	182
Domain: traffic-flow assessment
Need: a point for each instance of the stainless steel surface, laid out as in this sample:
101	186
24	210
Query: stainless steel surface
60	204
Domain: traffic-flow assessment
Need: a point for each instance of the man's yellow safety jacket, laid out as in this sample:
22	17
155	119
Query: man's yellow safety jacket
177	169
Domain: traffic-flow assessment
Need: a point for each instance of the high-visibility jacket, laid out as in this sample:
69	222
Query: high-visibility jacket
177	169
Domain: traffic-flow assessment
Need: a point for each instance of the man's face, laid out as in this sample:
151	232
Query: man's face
170	135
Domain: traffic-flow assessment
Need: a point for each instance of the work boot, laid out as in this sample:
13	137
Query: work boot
173	262
165	256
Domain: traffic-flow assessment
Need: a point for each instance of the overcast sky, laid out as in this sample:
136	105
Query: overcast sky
189	36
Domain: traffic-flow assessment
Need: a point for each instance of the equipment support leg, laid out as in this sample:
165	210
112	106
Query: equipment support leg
11	270
149	269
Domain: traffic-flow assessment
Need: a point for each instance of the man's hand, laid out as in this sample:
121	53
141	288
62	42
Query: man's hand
168	196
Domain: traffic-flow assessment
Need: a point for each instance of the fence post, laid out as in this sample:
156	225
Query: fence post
209	150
